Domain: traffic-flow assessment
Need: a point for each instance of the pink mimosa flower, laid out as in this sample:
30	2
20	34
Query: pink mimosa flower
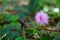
41	18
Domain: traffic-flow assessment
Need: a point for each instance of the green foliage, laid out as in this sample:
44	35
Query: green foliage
52	34
14	30
7	17
58	1
34	6
14	18
19	38
0	38
46	37
57	37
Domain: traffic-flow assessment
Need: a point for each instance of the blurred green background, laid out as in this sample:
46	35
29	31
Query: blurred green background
17	20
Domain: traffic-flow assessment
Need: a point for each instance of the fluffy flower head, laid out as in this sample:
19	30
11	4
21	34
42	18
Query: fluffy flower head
41	18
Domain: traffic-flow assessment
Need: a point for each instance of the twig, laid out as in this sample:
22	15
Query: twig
22	22
4	35
27	25
49	30
24	33
45	28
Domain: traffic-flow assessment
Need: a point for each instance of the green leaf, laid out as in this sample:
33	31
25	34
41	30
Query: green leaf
16	25
7	3
0	38
58	1
5	26
46	37
19	38
57	37
7	17
52	33
14	18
